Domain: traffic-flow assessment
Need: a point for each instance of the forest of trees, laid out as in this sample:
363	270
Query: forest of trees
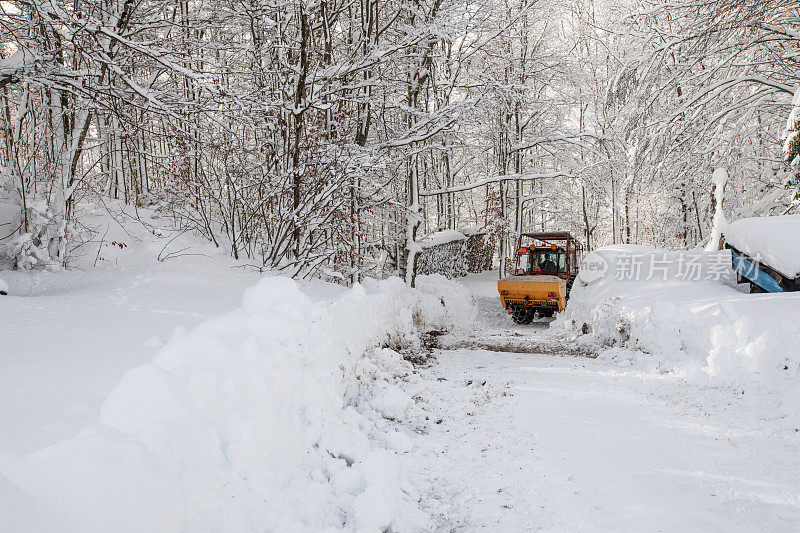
326	137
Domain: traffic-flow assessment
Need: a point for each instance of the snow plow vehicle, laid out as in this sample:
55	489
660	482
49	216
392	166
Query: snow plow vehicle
545	266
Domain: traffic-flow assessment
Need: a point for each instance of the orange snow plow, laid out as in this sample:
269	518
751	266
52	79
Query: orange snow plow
545	267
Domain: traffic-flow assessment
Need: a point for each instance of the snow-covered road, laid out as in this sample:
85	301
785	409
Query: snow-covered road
521	442
512	429
540	442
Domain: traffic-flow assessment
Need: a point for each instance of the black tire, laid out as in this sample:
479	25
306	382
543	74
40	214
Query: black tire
546	313
521	315
530	315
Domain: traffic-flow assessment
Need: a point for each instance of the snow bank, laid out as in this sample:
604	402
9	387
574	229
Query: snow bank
705	331
775	240
458	309
271	417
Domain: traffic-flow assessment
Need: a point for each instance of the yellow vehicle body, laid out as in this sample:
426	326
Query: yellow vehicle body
542	292
545	267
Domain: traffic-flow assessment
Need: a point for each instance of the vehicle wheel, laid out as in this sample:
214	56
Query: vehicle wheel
545	313
521	315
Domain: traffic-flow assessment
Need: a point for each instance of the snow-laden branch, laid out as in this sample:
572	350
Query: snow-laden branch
565	137
498	179
14	66
718	88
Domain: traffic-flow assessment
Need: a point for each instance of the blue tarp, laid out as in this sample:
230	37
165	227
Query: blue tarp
751	271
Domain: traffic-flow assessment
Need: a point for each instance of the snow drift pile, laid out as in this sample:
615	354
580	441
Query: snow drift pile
277	416
706	331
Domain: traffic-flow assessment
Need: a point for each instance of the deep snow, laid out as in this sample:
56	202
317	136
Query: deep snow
286	407
278	414
68	337
195	404
772	240
706	332
261	416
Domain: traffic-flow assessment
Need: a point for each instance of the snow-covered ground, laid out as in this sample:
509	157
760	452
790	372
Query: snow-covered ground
707	332
520	441
169	395
68	337
527	442
275	413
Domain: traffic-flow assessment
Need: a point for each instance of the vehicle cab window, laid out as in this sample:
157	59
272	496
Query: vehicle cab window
550	262
540	260
525	263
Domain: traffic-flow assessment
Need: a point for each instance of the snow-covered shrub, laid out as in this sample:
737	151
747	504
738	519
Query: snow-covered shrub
276	416
35	248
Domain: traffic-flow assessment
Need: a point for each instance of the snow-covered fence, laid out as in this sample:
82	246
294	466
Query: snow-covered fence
455	254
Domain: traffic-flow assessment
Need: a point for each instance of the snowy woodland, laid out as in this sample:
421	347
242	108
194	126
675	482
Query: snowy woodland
250	251
328	137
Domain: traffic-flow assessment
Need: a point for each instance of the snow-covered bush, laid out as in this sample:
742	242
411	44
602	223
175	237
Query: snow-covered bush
276	416
32	249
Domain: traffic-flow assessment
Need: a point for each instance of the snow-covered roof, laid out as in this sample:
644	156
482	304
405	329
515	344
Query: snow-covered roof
441	237
775	241
469	231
